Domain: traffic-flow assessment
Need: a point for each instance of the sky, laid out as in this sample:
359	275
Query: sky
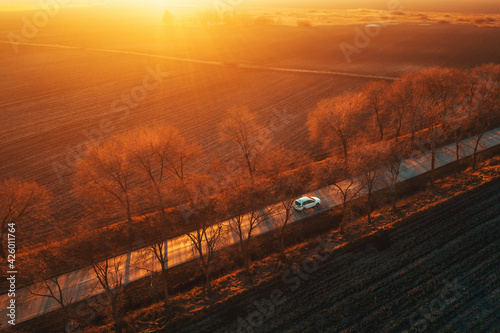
486	6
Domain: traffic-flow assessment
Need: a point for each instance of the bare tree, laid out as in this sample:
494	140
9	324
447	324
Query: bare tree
333	122
403	104
21	202
44	278
441	91
245	206
286	185
347	188
434	135
162	153
368	165
442	87
375	94
99	251
242	129
206	238
485	110
458	118
457	125
104	179
156	236
393	158
182	157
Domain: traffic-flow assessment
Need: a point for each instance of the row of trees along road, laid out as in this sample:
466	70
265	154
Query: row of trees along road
156	171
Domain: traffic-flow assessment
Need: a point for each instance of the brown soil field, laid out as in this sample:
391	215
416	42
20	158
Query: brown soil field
434	271
52	98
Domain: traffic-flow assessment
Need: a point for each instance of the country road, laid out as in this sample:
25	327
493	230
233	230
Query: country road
81	284
208	62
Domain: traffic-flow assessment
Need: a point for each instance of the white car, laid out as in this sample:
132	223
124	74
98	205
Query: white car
306	202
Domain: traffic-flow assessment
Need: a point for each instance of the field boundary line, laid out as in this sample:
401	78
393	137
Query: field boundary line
211	62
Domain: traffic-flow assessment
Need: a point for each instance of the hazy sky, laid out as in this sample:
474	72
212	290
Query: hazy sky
410	5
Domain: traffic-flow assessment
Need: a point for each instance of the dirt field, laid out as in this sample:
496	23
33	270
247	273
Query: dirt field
55	101
434	272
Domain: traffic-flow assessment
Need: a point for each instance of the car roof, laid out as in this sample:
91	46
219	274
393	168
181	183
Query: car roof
301	200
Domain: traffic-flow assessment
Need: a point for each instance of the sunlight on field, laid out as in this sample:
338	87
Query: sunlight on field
316	17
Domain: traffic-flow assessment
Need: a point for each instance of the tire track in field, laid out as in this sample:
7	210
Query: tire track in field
210	62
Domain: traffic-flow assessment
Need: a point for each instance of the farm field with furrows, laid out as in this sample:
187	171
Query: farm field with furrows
54	101
435	271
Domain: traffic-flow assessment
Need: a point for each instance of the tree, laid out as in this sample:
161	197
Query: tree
348	190
244	204
44	278
457	126
434	135
286	185
242	129
375	95
21	203
393	157
458	119
333	122
442	87
403	104
99	250
104	178
367	164
206	238
156	236
485	111
346	185
161	153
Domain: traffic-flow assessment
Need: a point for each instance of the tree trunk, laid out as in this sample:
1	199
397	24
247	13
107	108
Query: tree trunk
129	211
161	208
165	290
344	219
394	201
344	146
116	313
433	165
474	154
207	280
433	159
283	254
370	206
398	131
249	166
380	127
394	196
